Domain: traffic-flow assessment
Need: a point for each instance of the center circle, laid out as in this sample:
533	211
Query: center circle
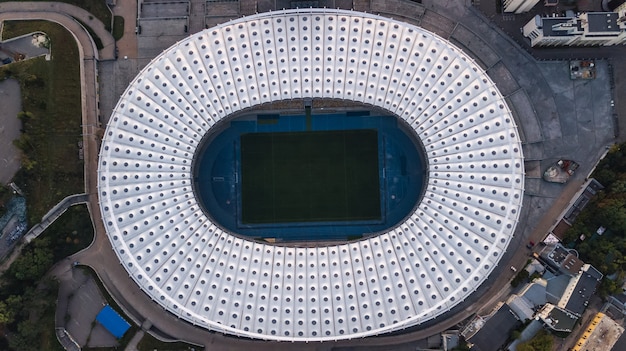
309	175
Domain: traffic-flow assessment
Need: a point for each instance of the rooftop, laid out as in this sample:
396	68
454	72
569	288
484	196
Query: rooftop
558	256
572	264
620	344
612	5
559	26
603	22
496	330
556	287
585	288
561	320
393	280
522	307
112	321
601	334
536	294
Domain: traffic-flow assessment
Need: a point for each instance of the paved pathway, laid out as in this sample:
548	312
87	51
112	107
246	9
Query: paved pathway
196	15
132	344
127	45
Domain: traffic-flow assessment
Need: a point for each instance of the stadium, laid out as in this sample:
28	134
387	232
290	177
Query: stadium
371	276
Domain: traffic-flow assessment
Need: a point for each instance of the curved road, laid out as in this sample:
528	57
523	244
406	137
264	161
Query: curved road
136	304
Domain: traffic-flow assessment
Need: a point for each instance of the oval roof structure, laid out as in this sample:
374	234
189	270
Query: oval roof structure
405	276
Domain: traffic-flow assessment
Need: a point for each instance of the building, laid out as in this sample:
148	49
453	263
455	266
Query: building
406	275
572	292
550	3
557	318
586	283
518	6
564	260
493	335
584	196
601	334
586	29
614	5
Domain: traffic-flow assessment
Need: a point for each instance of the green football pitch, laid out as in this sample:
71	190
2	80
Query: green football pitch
310	176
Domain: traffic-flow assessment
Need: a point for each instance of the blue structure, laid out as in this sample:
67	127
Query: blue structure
401	173
112	321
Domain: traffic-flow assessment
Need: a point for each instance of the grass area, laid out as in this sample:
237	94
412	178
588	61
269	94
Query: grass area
50	91
98	8
118	27
150	343
72	232
310	176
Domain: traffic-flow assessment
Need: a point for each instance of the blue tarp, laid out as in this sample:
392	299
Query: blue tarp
112	321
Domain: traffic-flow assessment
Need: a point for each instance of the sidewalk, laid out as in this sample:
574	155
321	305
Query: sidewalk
127	45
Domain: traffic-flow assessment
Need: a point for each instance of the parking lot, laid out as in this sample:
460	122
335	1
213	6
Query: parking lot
80	301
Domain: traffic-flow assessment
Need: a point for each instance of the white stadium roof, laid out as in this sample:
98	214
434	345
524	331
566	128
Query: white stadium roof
408	275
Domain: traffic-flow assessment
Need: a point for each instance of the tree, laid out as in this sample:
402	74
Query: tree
612	212
609	287
541	342
6	315
521	277
27	163
33	262
23	143
27	337
25	116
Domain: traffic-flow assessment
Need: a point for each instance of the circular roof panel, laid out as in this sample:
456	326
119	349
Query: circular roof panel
405	276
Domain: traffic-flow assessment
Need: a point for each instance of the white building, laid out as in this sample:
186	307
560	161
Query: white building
519	6
407	275
587	29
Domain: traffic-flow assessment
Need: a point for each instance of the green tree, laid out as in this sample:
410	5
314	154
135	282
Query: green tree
540	342
23	143
609	287
27	336
33	262
27	163
520	278
6	315
612	212
25	116
619	186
